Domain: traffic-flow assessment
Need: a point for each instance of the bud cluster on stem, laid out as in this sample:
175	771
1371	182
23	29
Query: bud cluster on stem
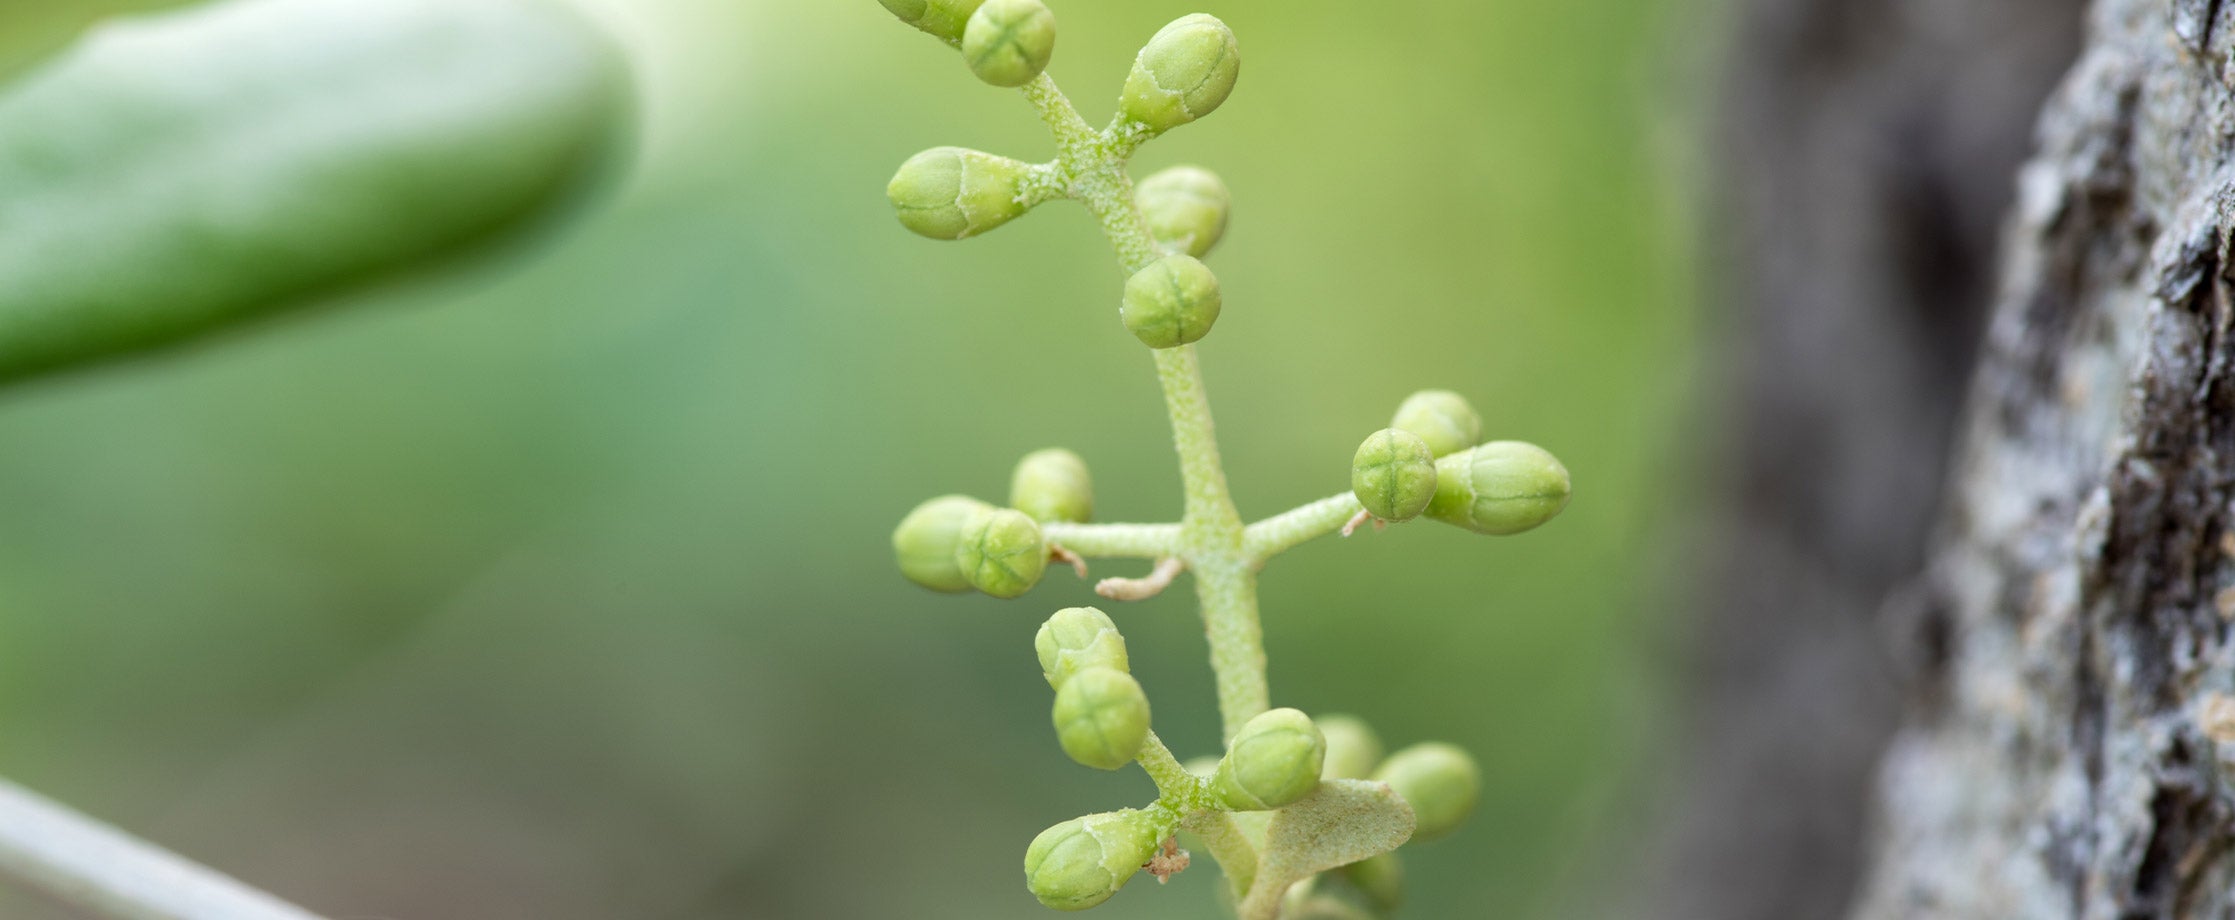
1301	813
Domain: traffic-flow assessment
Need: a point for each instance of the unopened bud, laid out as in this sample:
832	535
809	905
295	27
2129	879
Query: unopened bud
1503	487
1184	73
951	193
1101	717
1002	552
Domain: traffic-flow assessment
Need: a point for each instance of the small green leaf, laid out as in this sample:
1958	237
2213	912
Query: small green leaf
1341	822
175	173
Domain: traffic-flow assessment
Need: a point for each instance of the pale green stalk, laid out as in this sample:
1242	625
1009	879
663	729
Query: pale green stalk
1283	532
1091	166
1115	541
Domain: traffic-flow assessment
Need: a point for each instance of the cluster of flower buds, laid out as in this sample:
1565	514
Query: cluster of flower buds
1102	720
1439	781
1185	72
1430	461
957	543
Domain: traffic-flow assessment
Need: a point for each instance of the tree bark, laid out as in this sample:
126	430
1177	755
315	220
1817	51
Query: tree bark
1868	154
2070	741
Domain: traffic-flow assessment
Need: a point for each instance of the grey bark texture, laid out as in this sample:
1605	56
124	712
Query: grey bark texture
2070	742
1869	149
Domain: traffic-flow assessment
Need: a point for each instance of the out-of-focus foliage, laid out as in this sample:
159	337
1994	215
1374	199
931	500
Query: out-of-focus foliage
569	595
179	172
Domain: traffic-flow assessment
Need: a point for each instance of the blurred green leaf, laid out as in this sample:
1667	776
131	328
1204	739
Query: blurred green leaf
180	172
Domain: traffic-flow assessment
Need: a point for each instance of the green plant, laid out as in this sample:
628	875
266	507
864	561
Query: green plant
1290	801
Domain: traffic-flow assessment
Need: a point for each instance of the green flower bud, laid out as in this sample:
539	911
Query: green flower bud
1186	208
1503	487
926	540
1381	878
1052	485
1008	42
1393	474
1077	638
1082	862
1182	74
1002	552
1439	781
1275	759
942	18
952	193
1101	717
1352	747
1172	302
1441	418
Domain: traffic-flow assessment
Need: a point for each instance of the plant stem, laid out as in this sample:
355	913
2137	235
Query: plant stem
1177	786
1285	531
1094	163
1115	541
1233	851
89	865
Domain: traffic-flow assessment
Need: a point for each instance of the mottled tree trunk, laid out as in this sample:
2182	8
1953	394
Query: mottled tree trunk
1869	155
2069	748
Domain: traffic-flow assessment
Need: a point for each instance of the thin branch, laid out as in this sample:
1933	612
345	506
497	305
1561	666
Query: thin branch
1115	541
99	869
1141	589
1289	529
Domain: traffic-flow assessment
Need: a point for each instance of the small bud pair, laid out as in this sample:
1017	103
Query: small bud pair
1186	208
1172	302
926	540
1393	475
1439	781
1101	714
1184	73
955	543
1052	485
1275	759
1082	862
952	193
1503	487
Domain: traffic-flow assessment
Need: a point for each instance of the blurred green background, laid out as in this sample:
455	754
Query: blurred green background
560	589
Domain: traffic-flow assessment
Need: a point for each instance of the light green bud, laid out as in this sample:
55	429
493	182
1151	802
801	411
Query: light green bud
1052	485
1077	638
1101	717
1008	42
1393	474
1352	747
1082	862
1184	73
1442	418
926	540
944	19
1503	487
1275	759
1439	781
1203	767
1170	303
1186	208
1002	552
952	193
1381	879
